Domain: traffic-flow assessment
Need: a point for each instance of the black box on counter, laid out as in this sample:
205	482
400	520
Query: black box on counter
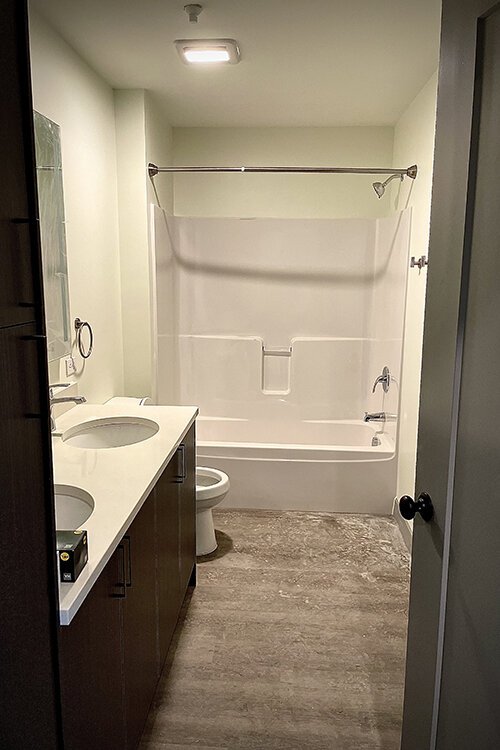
72	554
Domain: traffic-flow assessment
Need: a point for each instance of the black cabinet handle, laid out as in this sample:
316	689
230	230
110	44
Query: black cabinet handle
122	583
128	580
408	507
181	457
24	259
38	338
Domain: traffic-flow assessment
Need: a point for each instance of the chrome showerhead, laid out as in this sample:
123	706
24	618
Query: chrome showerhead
380	187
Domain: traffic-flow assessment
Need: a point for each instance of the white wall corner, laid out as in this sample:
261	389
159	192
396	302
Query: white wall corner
414	144
405	527
130	123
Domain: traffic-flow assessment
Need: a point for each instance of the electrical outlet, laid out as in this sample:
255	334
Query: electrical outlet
70	365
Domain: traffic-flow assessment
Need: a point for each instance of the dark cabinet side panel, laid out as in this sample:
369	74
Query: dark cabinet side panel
29	682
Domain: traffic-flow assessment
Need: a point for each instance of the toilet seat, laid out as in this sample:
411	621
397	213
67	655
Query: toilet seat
210	483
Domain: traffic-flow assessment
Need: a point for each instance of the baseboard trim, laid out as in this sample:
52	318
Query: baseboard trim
404	527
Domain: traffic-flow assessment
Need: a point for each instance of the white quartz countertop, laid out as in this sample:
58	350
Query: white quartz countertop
119	480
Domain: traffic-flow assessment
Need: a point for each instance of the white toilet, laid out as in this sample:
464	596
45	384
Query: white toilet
212	487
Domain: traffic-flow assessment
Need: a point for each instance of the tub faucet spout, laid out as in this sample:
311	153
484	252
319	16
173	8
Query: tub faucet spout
379	416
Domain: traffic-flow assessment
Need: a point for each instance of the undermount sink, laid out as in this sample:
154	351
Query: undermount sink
73	507
110	432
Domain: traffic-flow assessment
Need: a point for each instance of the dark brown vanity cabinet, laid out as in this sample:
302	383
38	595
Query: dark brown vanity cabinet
113	651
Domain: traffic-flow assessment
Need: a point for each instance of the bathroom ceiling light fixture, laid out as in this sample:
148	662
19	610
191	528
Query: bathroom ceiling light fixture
196	51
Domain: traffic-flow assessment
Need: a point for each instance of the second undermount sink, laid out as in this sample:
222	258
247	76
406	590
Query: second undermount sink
110	432
73	507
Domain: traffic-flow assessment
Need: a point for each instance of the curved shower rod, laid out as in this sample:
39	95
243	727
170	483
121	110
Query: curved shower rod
379	187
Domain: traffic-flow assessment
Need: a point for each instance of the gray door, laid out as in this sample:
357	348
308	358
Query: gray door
452	694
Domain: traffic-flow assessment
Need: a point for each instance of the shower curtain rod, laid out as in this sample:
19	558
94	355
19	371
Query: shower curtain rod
411	172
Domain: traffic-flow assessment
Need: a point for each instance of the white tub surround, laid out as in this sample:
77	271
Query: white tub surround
284	326
118	479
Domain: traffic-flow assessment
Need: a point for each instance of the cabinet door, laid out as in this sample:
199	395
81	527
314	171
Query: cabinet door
167	558
90	651
139	622
28	585
20	290
187	512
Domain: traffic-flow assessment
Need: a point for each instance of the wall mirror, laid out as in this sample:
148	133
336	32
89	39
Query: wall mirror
53	236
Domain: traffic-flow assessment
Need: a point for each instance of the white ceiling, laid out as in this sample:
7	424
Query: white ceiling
304	62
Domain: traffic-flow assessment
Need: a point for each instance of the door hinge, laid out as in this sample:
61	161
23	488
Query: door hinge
420	263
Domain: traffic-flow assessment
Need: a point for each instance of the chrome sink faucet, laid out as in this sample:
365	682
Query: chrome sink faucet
62	400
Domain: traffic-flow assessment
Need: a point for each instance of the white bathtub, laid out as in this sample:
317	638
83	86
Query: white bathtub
303	465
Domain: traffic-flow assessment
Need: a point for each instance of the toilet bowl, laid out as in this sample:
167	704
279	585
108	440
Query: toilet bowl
212	487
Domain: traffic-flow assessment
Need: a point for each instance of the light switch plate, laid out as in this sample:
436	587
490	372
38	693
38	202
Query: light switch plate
70	365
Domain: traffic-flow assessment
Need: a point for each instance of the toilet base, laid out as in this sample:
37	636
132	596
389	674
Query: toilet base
205	532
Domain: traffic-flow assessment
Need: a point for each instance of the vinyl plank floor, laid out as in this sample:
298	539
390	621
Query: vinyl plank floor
294	638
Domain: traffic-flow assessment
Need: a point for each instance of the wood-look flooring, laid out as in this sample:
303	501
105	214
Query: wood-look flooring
294	638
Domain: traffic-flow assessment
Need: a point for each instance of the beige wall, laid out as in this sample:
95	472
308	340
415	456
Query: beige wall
132	208
141	136
67	91
414	143
159	150
107	139
270	195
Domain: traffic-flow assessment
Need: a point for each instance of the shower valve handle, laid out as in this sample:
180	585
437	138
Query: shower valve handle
408	507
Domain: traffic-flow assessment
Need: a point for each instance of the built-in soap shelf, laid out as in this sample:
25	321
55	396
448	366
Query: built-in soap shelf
276	365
